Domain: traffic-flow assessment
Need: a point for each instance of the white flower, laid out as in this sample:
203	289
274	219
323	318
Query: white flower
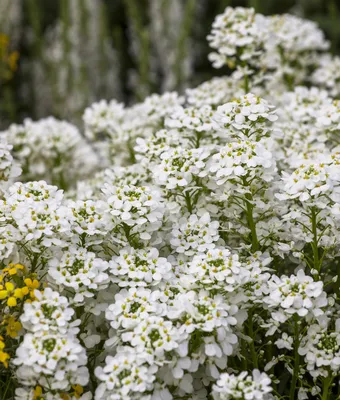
50	149
194	235
139	207
8	167
139	267
36	210
328	116
247	116
49	312
327	74
286	342
303	105
103	118
216	91
218	268
192	119
125	377
321	349
202	311
243	386
90	217
311	181
152	339
237	35
238	159
295	36
133	306
150	149
54	361
295	294
30	394
80	270
134	175
179	167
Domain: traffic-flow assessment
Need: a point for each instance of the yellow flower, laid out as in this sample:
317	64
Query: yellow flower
9	287
78	391
17	266
12	294
4	357
24	290
31	284
13	327
12	301
37	393
13	61
12	271
3	40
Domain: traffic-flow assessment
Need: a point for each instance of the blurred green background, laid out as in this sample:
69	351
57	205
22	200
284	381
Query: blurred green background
59	56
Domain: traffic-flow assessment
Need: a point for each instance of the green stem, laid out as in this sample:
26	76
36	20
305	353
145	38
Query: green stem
131	152
326	386
246	84
252	344
244	353
317	264
296	359
188	202
251	223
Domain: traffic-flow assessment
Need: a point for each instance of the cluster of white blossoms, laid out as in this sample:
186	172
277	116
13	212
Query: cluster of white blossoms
295	294
321	349
9	169
185	247
50	354
80	271
282	47
237	35
244	386
139	267
50	149
327	74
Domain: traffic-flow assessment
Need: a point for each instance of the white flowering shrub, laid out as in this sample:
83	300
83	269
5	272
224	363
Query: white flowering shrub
187	247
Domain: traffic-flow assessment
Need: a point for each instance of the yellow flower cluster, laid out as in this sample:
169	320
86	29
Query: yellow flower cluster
8	59
15	288
77	392
9	290
4	357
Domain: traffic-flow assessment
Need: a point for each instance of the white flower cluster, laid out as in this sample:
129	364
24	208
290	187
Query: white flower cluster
321	349
243	386
197	258
50	354
296	294
284	46
50	149
327	74
80	271
8	168
237	36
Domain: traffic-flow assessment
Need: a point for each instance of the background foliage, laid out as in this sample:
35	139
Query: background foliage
58	56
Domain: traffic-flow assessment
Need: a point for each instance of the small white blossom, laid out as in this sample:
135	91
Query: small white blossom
80	270
133	306
298	294
139	267
125	377
192	235
243	386
53	361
